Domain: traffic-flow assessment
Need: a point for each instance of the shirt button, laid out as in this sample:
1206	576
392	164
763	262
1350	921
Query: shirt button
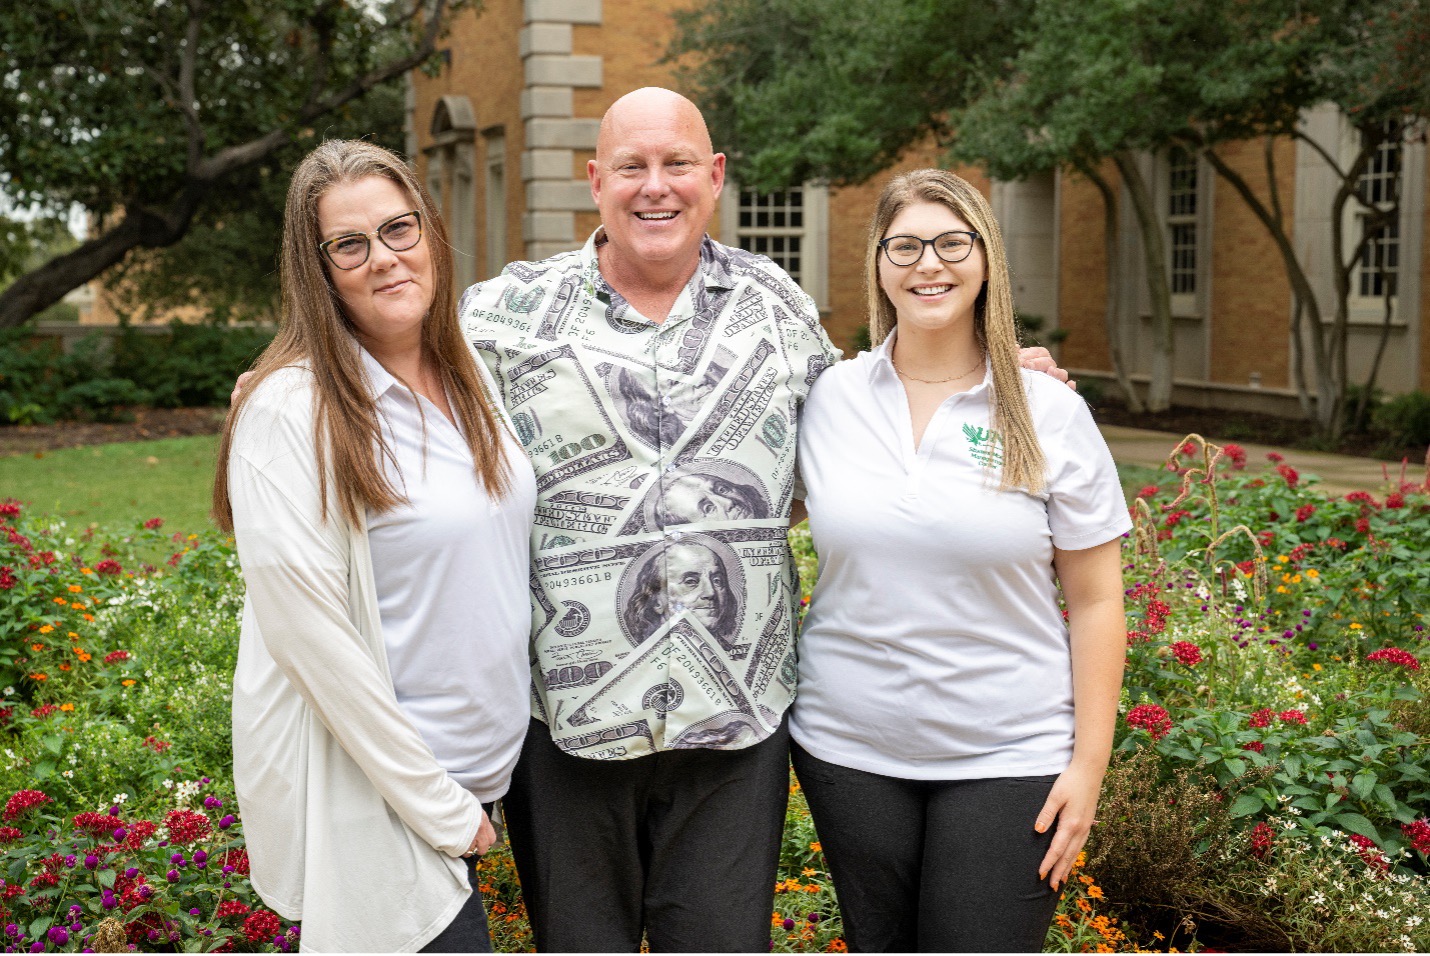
669	468
677	607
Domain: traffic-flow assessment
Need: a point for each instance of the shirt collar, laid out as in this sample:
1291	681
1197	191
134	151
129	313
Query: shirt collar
713	270
882	364
379	379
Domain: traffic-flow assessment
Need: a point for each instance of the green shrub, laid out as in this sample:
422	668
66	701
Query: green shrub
194	365
1405	419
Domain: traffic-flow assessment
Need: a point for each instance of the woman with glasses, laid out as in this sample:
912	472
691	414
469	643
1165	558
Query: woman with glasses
382	509
951	730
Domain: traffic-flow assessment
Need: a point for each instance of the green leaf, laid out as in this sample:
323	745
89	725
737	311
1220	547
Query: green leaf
106	878
54	743
1363	784
1292	765
44	770
1246	804
39	926
1235	766
1356	823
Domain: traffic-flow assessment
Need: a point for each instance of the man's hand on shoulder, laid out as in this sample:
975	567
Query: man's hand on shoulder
243	380
1039	359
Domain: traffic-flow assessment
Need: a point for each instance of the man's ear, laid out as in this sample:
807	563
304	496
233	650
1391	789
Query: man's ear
717	173
593	173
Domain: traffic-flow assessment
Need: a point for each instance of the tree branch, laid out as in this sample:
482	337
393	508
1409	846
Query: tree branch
188	98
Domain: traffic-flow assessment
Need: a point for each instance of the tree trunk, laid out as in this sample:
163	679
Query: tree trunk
1154	251
1113	313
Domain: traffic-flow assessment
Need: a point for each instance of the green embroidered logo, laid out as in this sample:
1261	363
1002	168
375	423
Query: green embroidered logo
985	444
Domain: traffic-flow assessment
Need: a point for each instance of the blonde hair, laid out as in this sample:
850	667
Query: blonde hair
993	324
315	331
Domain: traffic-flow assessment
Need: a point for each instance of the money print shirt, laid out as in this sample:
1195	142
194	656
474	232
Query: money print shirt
662	587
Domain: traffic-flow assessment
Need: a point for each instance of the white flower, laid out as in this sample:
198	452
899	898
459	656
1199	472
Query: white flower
67	773
9	692
168	784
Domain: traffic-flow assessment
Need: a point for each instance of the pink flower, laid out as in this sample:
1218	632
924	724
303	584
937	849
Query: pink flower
1187	653
1151	718
1395	657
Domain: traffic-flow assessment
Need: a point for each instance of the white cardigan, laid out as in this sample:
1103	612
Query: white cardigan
352	826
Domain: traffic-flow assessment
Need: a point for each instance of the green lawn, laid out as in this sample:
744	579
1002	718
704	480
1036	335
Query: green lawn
118	485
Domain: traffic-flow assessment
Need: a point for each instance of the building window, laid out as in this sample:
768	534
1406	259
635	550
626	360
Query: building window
1182	221
1378	266
496	201
789	226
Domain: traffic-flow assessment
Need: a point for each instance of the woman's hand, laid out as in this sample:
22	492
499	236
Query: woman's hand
482	842
1070	807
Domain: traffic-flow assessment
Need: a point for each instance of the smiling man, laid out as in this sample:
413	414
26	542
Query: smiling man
656	379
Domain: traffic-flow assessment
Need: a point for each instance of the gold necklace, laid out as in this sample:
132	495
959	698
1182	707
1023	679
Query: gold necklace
935	381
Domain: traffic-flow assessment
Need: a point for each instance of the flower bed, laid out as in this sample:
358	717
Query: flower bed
1269	788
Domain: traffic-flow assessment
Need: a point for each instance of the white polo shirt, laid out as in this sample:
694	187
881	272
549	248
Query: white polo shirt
451	568
935	648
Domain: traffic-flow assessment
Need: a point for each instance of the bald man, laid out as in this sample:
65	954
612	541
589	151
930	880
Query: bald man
649	798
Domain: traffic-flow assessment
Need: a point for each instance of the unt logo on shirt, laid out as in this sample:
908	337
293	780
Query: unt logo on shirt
985	445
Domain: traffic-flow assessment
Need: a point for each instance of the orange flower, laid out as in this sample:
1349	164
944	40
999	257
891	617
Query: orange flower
73	636
37	647
66	706
812	888
1095	892
816	847
61	601
75	589
77	607
837	945
84	658
89	617
45	629
39	677
128	682
809	872
85	571
64	667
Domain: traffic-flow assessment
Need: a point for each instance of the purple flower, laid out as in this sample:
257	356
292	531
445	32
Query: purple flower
227	870
814	917
75	909
200	856
132	872
91	861
71	860
788	924
212	803
177	858
108	902
114	810
11	929
195	911
1313	645
227	821
58	935
281	942
37	947
119	834
172	876
145	892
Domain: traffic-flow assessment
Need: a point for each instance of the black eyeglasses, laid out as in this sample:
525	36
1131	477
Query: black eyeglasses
951	247
399	234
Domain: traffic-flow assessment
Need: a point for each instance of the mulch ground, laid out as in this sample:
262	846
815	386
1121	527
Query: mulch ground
148	423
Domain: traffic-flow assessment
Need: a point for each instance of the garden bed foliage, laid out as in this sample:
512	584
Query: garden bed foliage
1268	791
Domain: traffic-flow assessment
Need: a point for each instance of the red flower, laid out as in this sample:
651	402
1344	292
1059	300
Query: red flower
1395	657
231	908
1275	458
153	524
109	566
157	745
22	802
1255	745
7	578
114	657
1363	525
1395	500
139	832
1261	718
1370	854
1187	653
1289	474
10	834
261	927
1246	567
96	824
1304	512
1418	833
1291	717
1189	449
1175	518
43	711
238	859
1148	491
1361	497
1151	718
1237	454
186	826
9	510
1262	839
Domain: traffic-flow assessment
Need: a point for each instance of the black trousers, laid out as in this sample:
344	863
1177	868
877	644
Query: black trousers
467	933
932	866
680	846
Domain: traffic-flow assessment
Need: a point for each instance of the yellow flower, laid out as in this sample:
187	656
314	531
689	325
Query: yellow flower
1282	558
75	589
809	872
1315	667
1355	626
73	635
45	629
1282	589
1296	579
1312	573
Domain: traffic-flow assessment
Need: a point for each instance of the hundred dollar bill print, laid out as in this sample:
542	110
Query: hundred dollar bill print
663	595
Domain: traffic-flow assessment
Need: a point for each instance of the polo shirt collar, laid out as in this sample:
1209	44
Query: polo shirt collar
883	365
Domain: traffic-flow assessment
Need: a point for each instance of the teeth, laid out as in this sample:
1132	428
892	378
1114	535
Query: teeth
932	290
648	216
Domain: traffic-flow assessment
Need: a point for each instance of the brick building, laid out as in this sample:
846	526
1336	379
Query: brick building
503	133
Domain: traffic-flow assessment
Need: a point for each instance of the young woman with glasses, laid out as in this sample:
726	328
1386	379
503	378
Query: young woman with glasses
382	509
951	730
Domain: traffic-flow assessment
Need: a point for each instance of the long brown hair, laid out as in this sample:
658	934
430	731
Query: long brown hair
993	325
316	333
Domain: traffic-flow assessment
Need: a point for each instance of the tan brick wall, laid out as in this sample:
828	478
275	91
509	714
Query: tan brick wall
486	68
1082	271
1251	297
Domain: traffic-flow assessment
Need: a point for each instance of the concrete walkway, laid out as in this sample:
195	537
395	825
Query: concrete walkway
1338	474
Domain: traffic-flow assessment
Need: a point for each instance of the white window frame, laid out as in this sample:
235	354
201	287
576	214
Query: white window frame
1174	218
813	233
494	169
1363	308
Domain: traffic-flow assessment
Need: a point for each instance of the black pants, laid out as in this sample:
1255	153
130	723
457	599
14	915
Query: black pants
932	866
681	845
467	933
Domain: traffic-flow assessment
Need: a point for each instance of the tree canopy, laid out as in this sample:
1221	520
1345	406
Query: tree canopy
143	110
